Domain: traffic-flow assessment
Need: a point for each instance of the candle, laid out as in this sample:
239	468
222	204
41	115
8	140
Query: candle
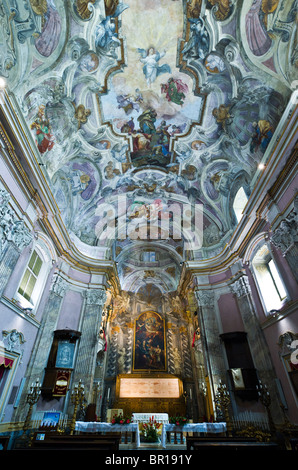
108	393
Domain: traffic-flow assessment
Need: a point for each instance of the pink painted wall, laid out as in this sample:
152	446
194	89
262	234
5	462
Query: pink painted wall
70	311
229	313
272	334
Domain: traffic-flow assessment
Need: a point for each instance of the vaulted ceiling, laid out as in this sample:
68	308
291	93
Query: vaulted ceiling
137	106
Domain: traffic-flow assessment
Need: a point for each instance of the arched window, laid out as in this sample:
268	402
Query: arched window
268	279
149	256
34	276
239	203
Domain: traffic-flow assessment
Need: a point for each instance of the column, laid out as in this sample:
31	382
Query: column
44	339
213	353
88	347
256	339
285	238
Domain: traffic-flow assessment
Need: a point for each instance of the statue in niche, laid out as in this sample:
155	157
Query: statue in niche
121	361
176	304
121	303
177	361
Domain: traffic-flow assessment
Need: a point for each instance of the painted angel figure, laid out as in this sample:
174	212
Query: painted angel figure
175	90
151	69
198	45
106	37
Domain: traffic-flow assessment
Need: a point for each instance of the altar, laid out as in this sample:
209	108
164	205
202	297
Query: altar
99	427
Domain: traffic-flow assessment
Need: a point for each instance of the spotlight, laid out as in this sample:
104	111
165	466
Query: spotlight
2	83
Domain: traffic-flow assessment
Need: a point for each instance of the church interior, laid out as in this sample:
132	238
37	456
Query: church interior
148	224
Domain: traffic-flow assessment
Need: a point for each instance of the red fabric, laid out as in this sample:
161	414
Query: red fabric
194	338
4	361
106	344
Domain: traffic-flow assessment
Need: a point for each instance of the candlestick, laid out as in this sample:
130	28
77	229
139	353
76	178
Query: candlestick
31	399
77	398
222	400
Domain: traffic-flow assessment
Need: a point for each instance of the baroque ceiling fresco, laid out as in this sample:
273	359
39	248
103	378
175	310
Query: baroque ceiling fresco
149	103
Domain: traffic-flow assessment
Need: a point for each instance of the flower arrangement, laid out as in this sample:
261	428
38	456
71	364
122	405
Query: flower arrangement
150	430
178	420
120	419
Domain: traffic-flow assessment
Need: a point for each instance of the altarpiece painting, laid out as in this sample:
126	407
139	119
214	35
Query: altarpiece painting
149	343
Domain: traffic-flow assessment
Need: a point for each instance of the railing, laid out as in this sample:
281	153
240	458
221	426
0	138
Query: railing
248	418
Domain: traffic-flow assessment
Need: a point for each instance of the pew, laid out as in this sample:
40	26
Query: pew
86	441
227	443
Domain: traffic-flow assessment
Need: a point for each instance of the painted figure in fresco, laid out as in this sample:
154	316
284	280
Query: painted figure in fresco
127	103
151	69
83	9
222	115
147	121
161	145
175	90
198	45
258	38
48	40
44	139
223	8
83	181
106	38
214	64
262	136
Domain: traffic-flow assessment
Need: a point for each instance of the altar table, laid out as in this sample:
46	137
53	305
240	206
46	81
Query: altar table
94	426
192	427
83	426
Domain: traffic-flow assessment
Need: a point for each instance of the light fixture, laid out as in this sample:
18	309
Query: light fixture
2	83
261	166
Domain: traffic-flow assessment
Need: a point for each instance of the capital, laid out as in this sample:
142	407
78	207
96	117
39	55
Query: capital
241	287
95	296
205	298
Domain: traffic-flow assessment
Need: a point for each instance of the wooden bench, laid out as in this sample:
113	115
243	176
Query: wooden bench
228	443
51	441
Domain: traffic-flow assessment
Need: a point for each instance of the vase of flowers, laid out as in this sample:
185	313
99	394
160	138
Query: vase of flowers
178	420
150	430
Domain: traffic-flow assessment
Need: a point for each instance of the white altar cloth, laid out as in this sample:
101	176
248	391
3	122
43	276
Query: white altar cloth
192	427
144	417
95	426
83	426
